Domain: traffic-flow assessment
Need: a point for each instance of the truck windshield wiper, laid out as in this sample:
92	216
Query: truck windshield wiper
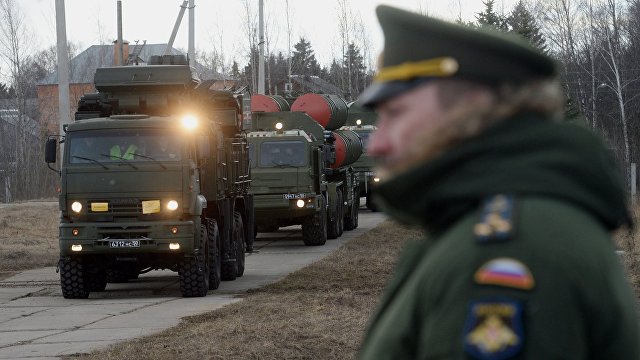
283	165
90	159
150	158
121	162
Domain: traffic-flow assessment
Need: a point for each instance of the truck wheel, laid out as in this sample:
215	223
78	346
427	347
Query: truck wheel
238	237
215	257
341	214
314	227
351	221
194	271
333	220
370	203
72	279
229	268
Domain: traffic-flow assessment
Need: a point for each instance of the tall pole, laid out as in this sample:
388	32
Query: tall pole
63	69
192	32
261	44
120	59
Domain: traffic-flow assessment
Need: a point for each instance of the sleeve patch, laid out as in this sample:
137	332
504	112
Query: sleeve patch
507	272
496	219
494	329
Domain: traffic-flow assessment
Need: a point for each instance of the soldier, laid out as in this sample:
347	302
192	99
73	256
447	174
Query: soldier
518	206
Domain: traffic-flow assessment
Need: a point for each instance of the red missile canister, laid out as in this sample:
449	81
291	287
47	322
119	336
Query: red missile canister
348	147
330	111
268	103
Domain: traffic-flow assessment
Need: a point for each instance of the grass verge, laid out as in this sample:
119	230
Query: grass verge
317	312
28	236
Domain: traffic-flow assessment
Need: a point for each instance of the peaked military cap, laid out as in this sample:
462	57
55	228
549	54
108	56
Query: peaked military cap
419	48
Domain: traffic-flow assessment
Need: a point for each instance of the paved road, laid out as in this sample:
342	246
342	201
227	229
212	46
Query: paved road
36	322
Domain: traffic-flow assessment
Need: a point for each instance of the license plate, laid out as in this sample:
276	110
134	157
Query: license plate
124	243
293	196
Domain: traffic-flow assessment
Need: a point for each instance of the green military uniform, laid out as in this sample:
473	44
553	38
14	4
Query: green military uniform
518	262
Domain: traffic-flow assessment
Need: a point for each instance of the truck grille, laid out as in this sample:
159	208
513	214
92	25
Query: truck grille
120	207
129	232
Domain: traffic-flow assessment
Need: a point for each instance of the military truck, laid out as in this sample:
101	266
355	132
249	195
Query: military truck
154	175
300	168
363	122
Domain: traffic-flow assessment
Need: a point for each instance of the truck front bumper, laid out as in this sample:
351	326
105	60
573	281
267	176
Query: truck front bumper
127	237
275	206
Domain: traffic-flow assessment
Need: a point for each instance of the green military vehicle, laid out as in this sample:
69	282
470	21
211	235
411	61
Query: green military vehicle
363	122
300	171
154	175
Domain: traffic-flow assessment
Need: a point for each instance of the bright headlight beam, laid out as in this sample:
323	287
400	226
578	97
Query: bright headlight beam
172	205
76	207
189	122
300	203
279	126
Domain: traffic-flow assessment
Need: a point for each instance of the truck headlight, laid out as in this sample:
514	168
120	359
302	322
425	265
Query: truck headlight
172	205
300	203
189	122
76	207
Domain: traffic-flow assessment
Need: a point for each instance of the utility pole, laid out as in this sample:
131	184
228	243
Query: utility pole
192	32
261	44
63	69
120	59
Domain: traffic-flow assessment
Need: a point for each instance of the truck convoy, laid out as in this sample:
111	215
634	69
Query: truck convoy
300	166
362	121
154	175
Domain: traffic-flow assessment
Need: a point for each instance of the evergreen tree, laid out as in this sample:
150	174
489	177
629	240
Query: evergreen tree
490	18
353	66
303	60
235	70
522	22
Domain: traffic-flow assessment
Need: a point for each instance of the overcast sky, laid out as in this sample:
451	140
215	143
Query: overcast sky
89	21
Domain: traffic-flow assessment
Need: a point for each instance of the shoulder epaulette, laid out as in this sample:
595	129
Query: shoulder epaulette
496	219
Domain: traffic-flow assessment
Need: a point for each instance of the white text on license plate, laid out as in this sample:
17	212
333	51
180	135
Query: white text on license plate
124	243
293	196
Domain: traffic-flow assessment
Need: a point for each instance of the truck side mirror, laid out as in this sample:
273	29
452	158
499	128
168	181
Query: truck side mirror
51	150
204	149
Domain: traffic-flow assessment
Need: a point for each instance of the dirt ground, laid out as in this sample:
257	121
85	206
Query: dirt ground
28	236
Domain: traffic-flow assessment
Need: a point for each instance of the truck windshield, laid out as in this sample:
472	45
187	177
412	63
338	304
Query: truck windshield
118	145
283	153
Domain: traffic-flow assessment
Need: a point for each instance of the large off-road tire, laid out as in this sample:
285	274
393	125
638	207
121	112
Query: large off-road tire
215	255
340	213
72	279
239	239
351	221
314	227
333	219
371	205
194	271
230	268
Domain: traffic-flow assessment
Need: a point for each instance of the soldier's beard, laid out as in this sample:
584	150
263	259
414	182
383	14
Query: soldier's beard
461	122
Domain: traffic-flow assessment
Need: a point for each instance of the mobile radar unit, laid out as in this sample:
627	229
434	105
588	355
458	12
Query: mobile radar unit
154	175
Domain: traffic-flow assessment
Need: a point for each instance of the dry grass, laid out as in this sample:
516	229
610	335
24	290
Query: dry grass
629	242
28	236
317	312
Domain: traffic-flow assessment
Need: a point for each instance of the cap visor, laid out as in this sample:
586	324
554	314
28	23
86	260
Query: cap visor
379	92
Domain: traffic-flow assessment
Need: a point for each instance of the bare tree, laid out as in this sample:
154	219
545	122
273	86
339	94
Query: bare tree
14	51
251	32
